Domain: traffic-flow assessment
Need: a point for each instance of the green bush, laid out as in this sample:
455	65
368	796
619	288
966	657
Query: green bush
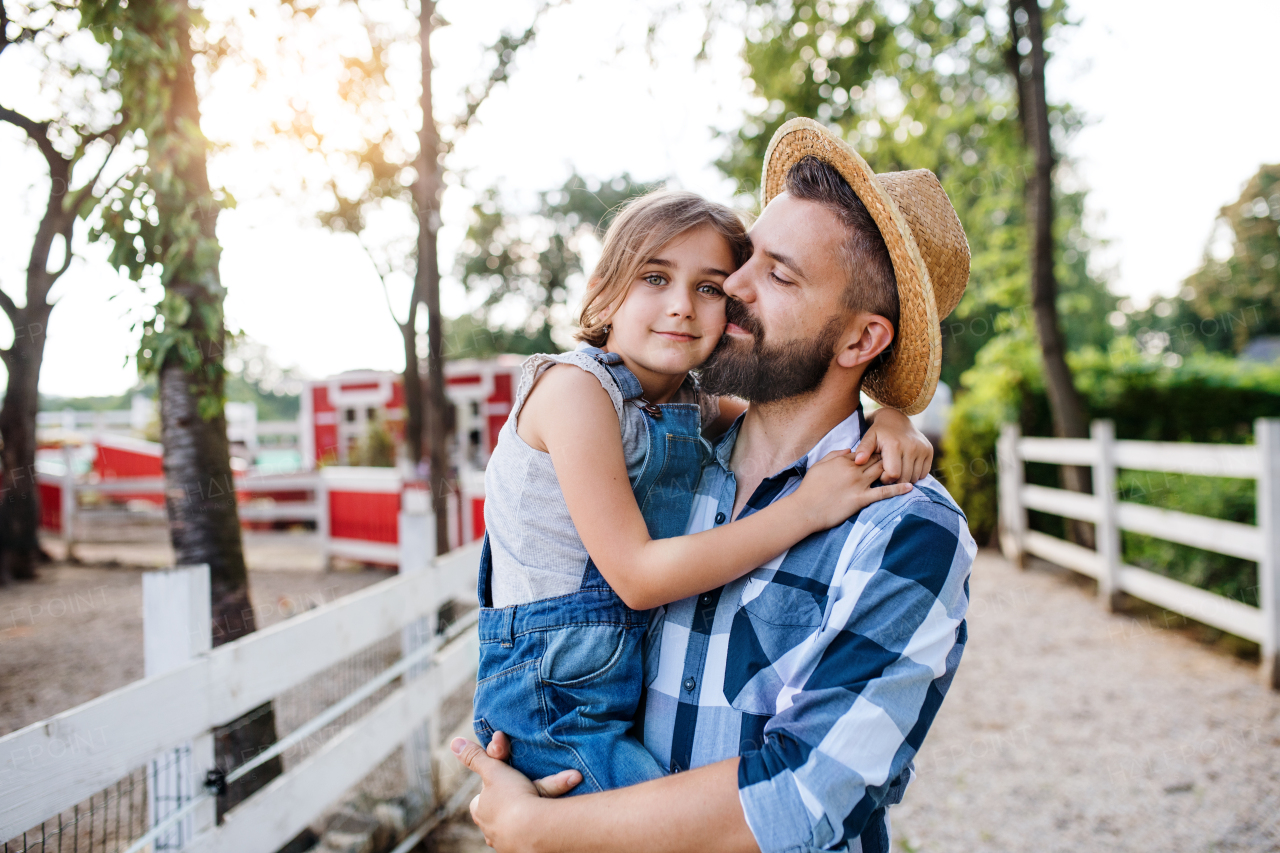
1207	398
1217	497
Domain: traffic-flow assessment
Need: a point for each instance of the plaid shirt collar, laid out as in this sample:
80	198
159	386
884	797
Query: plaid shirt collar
843	436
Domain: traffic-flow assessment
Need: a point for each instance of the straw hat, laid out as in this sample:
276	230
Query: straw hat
926	243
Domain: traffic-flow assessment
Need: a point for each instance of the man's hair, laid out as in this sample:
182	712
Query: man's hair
634	238
871	284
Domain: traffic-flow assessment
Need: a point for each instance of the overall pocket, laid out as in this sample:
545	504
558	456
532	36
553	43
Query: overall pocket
592	674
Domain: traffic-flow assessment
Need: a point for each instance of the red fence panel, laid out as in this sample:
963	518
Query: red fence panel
370	517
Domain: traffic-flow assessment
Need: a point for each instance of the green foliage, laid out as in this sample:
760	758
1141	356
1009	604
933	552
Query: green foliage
1230	299
50	403
1206	398
926	86
1216	497
523	264
1248	280
159	217
469	336
1006	378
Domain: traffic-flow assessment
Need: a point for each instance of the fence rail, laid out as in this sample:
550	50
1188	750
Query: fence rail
51	766
1110	515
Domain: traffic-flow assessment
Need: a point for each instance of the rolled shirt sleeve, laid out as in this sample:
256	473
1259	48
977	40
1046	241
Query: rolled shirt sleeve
857	698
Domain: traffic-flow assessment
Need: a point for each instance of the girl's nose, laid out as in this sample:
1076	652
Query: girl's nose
681	305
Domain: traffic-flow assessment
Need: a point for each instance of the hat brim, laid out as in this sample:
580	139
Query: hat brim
907	377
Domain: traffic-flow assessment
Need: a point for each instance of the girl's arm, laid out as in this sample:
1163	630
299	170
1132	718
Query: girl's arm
571	417
907	453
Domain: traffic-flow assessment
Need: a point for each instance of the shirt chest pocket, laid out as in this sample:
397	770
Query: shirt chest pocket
772	620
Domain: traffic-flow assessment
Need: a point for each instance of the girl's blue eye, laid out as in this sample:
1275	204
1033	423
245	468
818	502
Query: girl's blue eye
655	279
711	290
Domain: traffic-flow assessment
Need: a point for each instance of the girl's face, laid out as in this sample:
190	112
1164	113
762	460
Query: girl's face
673	314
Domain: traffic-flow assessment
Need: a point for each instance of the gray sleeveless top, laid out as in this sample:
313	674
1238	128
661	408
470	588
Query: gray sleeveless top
535	548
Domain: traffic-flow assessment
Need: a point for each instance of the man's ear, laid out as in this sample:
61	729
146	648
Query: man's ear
868	336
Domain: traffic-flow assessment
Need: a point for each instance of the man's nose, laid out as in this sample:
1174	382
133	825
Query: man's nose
738	284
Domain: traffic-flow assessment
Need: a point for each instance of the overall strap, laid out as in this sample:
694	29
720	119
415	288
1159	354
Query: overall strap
622	377
484	582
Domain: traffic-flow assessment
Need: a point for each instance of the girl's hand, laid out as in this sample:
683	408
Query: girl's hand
907	454
837	487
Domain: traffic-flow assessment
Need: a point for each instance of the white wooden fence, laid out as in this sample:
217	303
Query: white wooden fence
1110	515
52	765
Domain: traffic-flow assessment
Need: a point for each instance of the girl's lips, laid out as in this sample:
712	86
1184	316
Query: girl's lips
677	336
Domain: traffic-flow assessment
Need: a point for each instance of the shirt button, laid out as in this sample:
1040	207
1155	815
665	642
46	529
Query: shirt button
675	768
689	684
719	518
706	598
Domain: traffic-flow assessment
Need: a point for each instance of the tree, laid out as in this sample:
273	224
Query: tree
386	173
522	264
160	221
911	87
930	85
84	134
1026	66
1237	297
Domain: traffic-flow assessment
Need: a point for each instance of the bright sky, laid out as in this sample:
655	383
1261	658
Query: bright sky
1173	135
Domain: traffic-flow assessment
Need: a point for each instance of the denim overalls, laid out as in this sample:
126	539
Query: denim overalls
562	677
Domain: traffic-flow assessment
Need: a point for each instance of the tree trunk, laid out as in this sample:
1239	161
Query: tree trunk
428	284
200	495
20	510
1065	403
412	390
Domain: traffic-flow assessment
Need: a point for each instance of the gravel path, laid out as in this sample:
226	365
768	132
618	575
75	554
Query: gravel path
1068	728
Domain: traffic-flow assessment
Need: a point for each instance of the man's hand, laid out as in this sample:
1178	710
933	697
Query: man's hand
508	803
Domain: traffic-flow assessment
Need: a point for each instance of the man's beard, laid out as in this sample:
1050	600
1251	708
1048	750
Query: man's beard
763	373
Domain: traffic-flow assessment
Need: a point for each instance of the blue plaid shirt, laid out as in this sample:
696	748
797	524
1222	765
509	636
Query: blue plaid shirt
823	668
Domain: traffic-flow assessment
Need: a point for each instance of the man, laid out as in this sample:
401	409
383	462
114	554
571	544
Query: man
789	704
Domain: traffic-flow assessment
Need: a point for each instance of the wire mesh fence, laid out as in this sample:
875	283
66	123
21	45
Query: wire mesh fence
296	706
107	821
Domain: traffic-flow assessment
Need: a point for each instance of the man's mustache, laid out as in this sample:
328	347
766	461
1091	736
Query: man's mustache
736	312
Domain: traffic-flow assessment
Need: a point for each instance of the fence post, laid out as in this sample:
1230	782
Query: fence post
176	626
1267	436
1107	529
1012	516
68	495
322	520
417	544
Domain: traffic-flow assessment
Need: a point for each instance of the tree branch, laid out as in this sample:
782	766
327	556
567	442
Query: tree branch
67	232
10	307
386	293
78	198
37	132
504	45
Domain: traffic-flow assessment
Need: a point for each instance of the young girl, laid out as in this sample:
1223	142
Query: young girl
590	488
